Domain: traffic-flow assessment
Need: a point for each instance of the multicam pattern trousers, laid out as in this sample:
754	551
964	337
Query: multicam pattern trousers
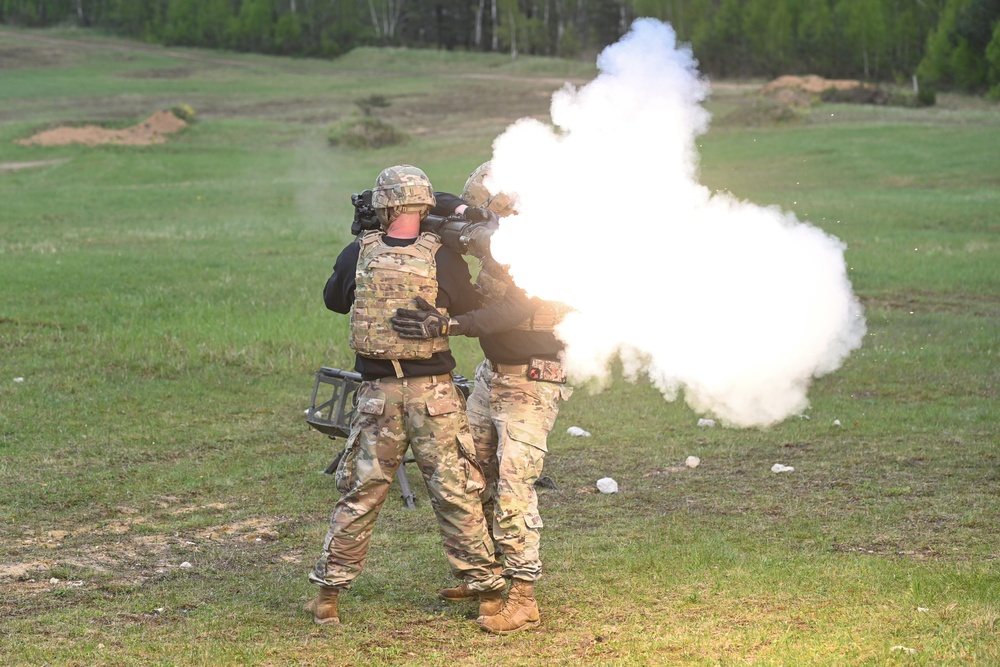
427	415
511	417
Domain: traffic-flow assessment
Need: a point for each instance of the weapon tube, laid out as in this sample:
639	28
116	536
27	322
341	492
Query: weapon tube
468	238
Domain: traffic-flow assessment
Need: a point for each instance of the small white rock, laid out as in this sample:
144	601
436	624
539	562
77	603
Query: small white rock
923	609
692	461
904	649
18	379
186	565
577	431
607	485
836	422
53	580
706	423
778	467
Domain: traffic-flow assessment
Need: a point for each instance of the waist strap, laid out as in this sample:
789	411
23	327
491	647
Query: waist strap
509	369
417	379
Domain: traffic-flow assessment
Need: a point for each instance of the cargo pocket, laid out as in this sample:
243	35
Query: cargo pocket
443	406
532	520
529	436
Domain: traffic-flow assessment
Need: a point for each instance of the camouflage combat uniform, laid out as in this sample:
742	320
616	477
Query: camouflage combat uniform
426	414
511	415
407	399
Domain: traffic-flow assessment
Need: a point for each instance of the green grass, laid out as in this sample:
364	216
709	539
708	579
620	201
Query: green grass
163	307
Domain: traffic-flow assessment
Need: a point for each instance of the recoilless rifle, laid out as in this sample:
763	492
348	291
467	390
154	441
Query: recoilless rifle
469	237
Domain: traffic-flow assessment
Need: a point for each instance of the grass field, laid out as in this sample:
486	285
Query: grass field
161	321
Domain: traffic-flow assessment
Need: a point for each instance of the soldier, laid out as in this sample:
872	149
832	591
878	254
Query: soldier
512	409
406	398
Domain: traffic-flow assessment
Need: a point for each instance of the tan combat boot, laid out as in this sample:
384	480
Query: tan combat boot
323	607
490	603
519	611
457	593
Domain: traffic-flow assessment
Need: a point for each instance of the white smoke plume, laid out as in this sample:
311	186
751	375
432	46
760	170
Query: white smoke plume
734	305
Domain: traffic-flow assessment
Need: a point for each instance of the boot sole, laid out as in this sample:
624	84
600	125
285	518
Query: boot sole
326	621
527	626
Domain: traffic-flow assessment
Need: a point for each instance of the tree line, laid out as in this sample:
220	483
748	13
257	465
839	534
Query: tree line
950	44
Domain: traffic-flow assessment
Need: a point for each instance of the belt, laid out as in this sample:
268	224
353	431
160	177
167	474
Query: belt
417	378
510	369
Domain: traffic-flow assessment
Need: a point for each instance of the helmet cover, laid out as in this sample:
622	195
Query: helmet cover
476	193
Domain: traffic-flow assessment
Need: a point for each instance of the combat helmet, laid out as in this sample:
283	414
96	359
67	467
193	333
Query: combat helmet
476	194
401	189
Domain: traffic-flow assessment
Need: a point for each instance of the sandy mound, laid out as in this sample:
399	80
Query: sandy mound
811	84
804	91
153	130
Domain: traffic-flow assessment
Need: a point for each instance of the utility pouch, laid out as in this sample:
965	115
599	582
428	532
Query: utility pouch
545	370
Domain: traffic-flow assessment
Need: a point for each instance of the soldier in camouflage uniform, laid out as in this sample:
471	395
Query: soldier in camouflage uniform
512	409
406	398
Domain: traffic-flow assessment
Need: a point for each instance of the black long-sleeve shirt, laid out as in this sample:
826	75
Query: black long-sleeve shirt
456	294
501	342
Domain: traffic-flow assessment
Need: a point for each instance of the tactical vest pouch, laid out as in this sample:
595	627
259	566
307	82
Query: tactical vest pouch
545	370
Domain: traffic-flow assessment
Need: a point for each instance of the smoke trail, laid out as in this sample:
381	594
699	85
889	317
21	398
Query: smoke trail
738	306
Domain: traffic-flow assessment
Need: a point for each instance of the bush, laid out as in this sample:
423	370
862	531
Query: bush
365	132
880	96
185	112
927	96
861	94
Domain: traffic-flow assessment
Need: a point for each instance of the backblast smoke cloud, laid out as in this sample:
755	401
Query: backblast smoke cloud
733	305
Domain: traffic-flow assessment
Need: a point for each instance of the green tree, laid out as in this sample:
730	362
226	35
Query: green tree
816	38
720	42
993	63
957	49
253	28
865	29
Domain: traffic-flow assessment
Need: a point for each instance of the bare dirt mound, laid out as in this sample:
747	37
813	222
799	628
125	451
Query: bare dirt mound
153	130
811	84
804	90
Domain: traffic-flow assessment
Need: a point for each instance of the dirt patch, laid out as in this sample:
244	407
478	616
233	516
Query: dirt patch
120	556
160	73
17	166
13	57
810	84
153	130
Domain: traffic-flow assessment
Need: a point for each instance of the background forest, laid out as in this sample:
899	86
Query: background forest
947	44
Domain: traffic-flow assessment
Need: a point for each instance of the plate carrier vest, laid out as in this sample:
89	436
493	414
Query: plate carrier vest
390	277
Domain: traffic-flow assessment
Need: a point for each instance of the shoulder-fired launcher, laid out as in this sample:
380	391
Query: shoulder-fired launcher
455	231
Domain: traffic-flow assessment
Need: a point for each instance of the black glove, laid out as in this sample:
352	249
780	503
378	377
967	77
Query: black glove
475	214
427	322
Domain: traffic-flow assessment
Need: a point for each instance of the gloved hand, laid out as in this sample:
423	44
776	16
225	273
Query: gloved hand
476	214
426	322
